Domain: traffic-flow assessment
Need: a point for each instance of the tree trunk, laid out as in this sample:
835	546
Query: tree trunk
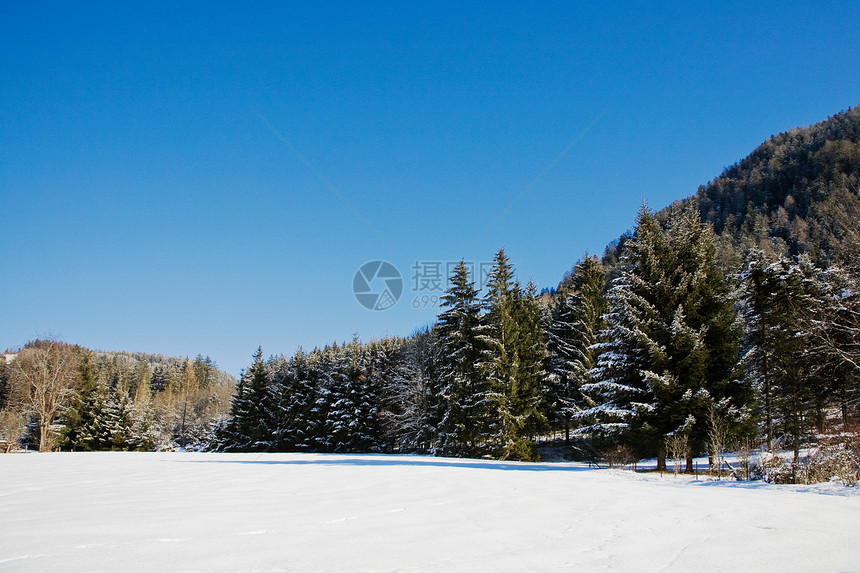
689	469
44	435
796	463
767	408
846	416
661	459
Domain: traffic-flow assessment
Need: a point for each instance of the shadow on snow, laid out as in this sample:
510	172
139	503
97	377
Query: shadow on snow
358	460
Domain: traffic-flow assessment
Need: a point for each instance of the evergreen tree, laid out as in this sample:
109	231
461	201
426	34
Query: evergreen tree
524	410
293	397
412	396
85	423
513	352
127	427
572	342
377	362
673	343
4	384
777	296
353	414
464	426
834	324
250	425
203	368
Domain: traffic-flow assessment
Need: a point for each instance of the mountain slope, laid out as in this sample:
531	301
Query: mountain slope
796	193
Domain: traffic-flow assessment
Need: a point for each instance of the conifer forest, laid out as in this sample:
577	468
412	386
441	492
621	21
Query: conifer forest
728	321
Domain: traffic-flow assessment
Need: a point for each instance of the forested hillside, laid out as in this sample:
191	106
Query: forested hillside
60	396
730	319
797	193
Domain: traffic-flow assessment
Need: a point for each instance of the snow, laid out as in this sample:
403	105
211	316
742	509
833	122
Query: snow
313	512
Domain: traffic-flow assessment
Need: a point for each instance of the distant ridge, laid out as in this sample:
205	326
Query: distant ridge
798	192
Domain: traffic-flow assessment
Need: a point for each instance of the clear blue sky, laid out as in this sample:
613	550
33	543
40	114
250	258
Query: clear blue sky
151	200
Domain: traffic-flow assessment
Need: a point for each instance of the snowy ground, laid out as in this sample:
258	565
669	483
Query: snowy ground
291	512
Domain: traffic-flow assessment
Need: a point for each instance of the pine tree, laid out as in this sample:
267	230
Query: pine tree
250	425
465	419
354	401
412	396
203	371
833	322
319	416
497	338
673	343
127	427
512	358
777	296
572	341
525	405
292	398
85	423
377	362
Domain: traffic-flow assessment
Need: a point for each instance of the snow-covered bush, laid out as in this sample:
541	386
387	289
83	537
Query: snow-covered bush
773	469
835	460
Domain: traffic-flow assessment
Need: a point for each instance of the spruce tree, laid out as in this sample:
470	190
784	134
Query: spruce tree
777	296
250	425
572	341
525	405
126	425
412	396
377	362
673	343
513	352
85	423
465	419
833	325
293	397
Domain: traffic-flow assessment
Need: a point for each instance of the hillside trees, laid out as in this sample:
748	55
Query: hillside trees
81	399
796	193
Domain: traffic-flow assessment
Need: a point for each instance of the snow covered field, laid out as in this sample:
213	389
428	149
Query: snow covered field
302	512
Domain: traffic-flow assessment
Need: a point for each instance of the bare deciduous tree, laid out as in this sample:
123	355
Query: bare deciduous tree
717	441
744	448
44	377
677	446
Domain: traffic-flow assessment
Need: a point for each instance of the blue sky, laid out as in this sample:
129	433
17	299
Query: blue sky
193	178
